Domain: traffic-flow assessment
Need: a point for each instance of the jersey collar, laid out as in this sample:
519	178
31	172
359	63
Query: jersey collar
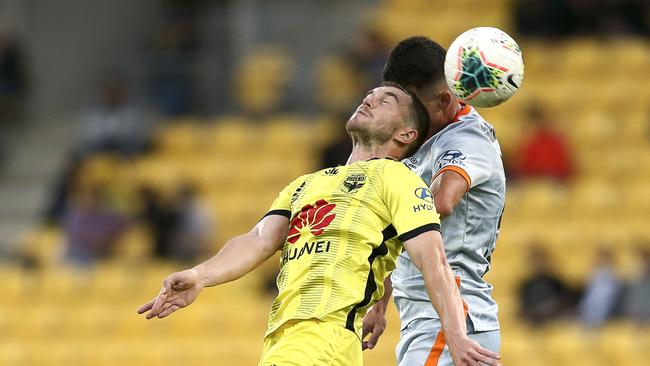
385	157
464	110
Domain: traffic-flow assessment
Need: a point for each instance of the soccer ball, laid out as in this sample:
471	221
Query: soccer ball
484	67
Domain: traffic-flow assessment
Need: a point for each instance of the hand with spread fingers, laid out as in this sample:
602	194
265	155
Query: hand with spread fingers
179	290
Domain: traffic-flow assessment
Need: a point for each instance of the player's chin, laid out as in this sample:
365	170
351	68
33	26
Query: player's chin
356	121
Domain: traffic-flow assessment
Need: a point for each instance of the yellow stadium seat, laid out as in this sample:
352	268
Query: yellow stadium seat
181	137
260	78
597	197
582	57
629	57
13	352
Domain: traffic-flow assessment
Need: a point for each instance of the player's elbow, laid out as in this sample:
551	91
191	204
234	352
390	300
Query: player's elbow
444	207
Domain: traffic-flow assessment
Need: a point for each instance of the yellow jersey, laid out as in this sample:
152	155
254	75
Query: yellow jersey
347	225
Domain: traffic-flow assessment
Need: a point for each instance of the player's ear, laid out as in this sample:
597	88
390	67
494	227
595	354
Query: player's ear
444	99
407	135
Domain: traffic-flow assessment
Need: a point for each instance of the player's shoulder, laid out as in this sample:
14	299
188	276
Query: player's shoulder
301	180
472	128
389	165
394	170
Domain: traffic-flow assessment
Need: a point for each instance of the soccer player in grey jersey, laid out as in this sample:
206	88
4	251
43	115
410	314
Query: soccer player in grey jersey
461	162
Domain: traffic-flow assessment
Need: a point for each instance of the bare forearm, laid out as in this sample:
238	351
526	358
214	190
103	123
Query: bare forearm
445	297
382	304
428	255
239	256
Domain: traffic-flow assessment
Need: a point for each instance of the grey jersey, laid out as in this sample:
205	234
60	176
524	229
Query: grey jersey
469	147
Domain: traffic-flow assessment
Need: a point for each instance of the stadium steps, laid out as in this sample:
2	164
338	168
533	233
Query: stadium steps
34	157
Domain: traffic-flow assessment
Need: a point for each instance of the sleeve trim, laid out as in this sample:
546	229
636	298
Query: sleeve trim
417	231
285	213
457	169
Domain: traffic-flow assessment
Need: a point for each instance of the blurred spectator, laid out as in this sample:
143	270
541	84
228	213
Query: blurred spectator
190	240
544	153
12	88
603	291
113	124
543	296
12	78
91	225
179	225
636	303
554	18
59	191
369	54
543	18
170	59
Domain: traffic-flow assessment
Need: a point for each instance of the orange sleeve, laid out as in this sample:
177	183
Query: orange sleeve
458	170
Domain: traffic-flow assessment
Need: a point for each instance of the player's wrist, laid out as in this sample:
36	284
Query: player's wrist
198	274
380	309
455	336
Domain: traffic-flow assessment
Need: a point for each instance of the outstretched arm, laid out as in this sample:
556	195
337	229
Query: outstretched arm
239	256
427	253
244	253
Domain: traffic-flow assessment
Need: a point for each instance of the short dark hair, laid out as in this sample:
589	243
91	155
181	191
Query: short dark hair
415	62
418	117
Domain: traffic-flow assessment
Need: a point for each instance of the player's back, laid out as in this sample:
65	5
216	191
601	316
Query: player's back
470	148
345	223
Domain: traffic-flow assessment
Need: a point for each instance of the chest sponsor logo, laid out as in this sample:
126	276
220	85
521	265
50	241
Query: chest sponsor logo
311	219
353	183
296	252
450	157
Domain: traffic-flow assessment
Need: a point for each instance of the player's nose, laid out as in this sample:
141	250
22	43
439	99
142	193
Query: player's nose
367	101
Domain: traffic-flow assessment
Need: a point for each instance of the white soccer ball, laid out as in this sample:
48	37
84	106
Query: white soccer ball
484	67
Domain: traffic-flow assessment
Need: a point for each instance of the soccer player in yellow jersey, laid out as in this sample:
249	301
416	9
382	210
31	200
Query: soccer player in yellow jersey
340	231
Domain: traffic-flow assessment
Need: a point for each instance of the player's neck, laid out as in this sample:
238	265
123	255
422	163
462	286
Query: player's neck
364	153
449	115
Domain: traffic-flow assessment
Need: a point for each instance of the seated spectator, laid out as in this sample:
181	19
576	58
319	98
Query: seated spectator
368	54
636	302
541	18
561	18
161	220
113	124
544	153
179	225
12	89
13	82
603	292
543	296
191	237
92	227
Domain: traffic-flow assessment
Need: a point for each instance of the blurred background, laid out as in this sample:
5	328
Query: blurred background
137	136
